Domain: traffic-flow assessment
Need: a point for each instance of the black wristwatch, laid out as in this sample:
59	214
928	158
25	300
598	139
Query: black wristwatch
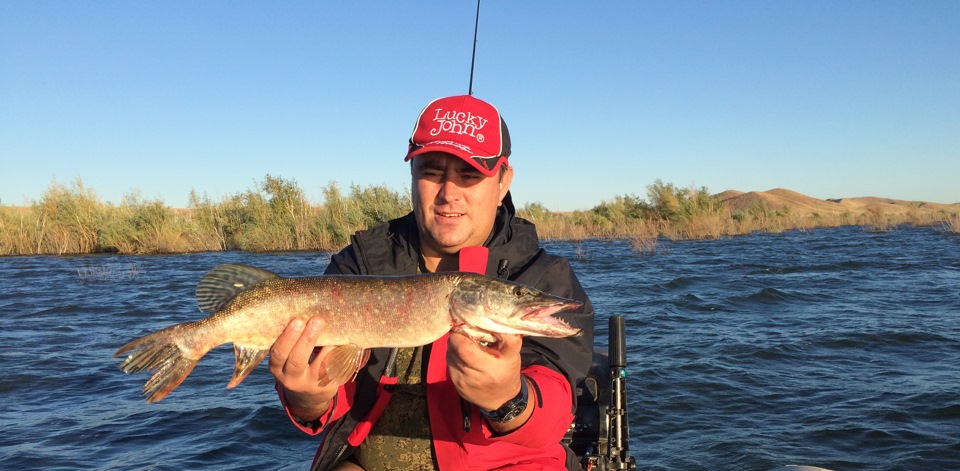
512	408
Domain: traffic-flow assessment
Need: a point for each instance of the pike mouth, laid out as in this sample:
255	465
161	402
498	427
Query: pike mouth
547	310
484	307
542	316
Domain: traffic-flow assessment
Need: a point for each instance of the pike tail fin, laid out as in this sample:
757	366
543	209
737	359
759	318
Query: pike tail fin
161	352
247	360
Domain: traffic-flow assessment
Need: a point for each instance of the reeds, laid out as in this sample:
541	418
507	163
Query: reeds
952	224
277	216
643	244
108	273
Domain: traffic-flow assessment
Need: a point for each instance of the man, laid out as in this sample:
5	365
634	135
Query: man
449	405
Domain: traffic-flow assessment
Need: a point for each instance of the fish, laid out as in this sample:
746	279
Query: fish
250	307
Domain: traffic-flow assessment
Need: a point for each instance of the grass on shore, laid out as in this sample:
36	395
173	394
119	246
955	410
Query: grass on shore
276	216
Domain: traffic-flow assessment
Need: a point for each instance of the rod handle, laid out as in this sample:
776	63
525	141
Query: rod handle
618	343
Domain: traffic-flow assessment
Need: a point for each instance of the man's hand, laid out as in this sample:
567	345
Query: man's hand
485	380
297	365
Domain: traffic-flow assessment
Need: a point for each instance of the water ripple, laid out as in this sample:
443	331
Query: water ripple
837	348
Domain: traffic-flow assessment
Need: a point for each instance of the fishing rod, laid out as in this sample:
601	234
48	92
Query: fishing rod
473	57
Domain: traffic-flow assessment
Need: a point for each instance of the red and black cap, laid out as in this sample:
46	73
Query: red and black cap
463	126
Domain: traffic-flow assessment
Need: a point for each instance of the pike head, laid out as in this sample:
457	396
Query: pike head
483	307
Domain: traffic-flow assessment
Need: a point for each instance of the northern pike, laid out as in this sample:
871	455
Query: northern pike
250	307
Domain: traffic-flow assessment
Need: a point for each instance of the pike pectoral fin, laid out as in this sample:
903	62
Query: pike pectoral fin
343	363
247	360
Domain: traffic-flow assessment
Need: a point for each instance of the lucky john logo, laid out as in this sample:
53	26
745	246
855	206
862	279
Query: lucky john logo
459	122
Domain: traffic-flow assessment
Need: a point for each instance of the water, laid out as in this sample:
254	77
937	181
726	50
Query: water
835	347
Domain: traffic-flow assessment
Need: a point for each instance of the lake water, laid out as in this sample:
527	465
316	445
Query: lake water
833	347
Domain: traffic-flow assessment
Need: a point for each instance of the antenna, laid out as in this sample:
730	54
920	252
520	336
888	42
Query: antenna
473	58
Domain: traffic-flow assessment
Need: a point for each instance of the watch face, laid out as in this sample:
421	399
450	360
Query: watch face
508	412
514	411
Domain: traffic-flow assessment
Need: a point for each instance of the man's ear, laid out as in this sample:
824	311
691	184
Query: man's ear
505	180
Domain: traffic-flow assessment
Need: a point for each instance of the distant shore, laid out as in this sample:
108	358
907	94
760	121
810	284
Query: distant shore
276	216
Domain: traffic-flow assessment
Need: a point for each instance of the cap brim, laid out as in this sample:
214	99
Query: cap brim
487	166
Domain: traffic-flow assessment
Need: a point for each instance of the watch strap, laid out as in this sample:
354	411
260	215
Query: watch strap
512	408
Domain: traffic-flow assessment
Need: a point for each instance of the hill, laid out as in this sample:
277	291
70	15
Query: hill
796	203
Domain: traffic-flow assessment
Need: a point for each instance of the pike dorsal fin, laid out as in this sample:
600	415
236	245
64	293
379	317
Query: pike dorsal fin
219	286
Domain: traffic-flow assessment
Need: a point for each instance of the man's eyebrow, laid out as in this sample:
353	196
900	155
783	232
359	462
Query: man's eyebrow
464	167
428	164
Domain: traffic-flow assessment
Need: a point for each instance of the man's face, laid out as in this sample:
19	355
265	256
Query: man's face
454	203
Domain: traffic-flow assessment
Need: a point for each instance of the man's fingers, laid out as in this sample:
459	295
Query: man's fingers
302	351
510	344
505	344
484	375
293	350
281	347
461	350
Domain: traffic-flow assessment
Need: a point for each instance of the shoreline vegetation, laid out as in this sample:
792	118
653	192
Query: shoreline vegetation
277	216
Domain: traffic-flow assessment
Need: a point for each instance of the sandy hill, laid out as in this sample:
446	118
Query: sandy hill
778	198
891	205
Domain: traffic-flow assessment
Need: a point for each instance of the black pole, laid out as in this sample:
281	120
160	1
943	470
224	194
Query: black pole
618	342
473	58
618	432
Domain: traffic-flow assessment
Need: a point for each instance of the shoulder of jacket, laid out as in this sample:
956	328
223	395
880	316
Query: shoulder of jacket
385	249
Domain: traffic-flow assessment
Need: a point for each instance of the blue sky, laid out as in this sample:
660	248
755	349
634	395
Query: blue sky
827	98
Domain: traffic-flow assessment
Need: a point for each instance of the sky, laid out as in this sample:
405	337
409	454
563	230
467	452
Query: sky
155	99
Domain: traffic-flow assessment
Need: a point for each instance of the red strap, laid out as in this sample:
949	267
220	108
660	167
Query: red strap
383	397
474	259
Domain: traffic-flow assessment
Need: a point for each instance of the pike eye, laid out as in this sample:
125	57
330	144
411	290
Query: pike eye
519	292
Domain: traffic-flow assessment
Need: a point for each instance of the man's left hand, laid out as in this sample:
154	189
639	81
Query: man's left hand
486	380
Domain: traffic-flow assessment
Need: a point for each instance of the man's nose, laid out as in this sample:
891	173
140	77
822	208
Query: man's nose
450	190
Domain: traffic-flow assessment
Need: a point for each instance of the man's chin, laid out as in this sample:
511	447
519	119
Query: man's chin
448	243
